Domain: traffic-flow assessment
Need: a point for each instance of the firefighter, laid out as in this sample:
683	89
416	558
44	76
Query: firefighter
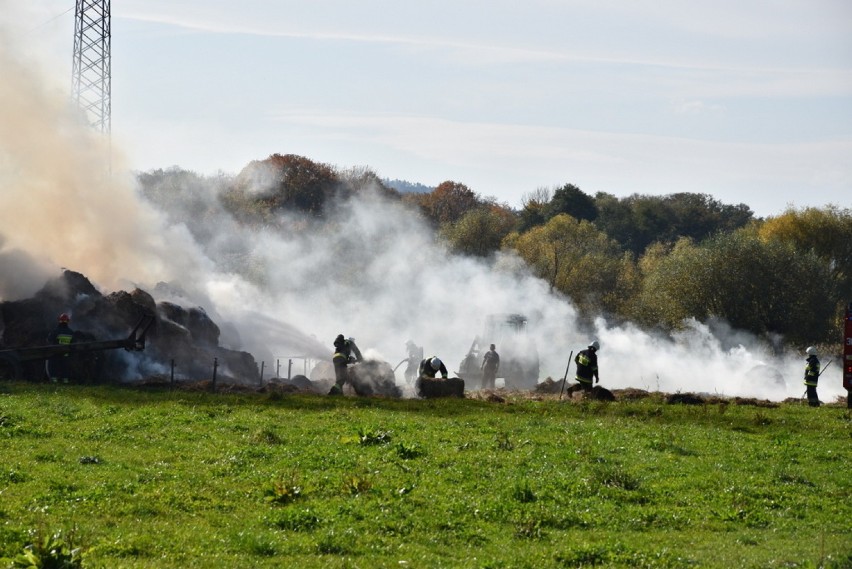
415	354
812	376
587	366
345	353
430	367
489	367
58	367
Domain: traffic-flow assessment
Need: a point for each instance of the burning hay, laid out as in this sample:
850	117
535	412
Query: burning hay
374	377
185	338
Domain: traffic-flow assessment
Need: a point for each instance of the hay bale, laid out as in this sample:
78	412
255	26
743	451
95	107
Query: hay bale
685	399
549	386
755	402
631	394
433	387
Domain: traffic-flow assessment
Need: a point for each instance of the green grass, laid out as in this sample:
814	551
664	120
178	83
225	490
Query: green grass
181	479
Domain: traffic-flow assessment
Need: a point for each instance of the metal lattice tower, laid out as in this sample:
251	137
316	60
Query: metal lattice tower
91	72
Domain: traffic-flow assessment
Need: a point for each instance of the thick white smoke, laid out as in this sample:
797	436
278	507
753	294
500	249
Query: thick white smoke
375	273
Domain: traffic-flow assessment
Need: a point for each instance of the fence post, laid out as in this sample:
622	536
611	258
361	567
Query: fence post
172	374
215	367
289	369
261	373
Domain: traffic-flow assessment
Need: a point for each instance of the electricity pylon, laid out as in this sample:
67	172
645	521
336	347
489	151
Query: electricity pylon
91	72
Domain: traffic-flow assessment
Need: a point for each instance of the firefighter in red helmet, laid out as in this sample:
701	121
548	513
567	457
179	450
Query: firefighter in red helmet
58	367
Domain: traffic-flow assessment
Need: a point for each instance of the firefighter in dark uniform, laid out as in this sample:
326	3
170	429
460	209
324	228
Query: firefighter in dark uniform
415	354
812	376
58	367
587	366
430	367
345	352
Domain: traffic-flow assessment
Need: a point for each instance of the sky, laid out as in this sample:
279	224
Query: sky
748	101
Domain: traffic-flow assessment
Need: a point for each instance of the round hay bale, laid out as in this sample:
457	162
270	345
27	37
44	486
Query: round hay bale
433	387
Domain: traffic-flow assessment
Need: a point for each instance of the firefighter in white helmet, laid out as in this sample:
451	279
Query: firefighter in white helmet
587	366
812	376
430	367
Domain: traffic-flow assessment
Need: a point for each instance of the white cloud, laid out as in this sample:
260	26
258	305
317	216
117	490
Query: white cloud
697	108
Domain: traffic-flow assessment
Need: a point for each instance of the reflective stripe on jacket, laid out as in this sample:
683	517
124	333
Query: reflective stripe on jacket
587	366
812	371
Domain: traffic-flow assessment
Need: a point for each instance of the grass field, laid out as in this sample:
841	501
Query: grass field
184	479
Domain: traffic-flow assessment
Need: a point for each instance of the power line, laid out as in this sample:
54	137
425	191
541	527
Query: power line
41	25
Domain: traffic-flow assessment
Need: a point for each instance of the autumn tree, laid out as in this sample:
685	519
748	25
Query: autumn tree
480	231
360	179
827	232
640	220
266	188
447	203
754	285
577	259
534	209
701	215
572	200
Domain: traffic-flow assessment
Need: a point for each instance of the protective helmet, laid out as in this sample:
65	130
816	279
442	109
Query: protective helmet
339	338
435	363
64	317
595	345
811	351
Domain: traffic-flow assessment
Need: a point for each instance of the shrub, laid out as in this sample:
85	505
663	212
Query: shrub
50	551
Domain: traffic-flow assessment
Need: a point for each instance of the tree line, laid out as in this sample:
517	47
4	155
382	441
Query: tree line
654	261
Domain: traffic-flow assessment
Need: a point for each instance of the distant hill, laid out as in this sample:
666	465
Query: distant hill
406	187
